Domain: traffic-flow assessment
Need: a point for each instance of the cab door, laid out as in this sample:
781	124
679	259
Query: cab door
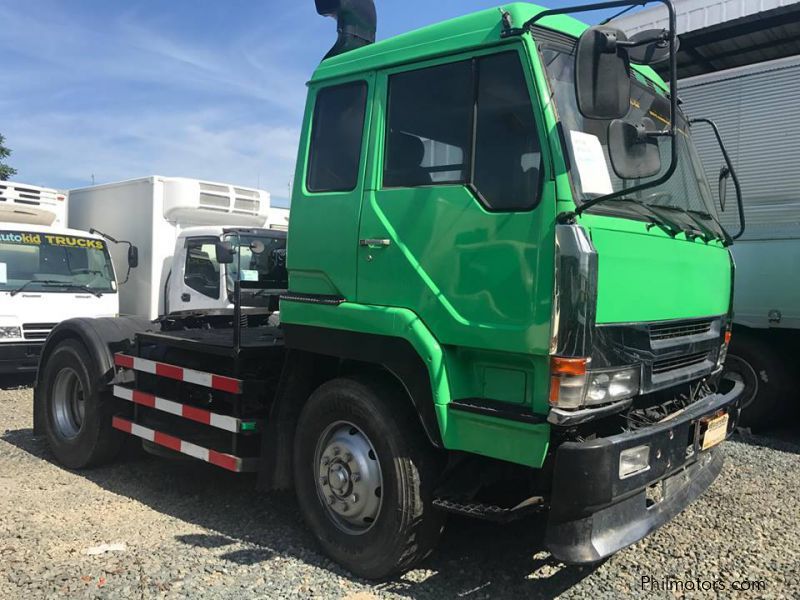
329	183
198	283
457	224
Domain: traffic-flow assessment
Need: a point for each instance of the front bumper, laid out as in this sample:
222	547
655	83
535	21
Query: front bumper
594	513
19	357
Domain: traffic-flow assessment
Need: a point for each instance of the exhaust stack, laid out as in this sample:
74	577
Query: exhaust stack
356	22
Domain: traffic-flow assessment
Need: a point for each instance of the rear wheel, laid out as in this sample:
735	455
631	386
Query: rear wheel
77	415
364	476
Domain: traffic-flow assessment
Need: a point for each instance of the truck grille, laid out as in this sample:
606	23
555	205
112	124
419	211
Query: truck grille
36	331
669	331
666	365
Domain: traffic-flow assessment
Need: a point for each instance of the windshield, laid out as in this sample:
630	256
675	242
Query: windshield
54	263
587	143
259	262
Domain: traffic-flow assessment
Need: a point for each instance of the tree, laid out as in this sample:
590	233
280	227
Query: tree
5	171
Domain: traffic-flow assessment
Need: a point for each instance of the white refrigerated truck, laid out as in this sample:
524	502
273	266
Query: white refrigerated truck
756	109
48	273
177	225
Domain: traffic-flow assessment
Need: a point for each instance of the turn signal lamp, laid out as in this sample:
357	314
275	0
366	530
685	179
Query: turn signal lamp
567	381
723	349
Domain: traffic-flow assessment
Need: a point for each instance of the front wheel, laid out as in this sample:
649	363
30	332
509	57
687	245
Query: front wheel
766	380
77	415
364	476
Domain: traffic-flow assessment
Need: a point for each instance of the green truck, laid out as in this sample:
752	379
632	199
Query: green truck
508	292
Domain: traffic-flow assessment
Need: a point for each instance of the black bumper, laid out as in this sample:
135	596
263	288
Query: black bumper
594	513
19	357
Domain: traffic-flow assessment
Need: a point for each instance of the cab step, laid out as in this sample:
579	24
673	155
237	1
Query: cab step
230	462
491	512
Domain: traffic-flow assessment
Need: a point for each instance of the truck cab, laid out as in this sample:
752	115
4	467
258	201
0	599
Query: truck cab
508	292
48	273
199	283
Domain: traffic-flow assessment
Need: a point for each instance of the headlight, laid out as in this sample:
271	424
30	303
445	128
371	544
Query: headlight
573	385
10	332
612	385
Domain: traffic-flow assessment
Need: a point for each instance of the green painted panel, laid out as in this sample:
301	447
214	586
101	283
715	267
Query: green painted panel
520	443
477	279
647	276
504	385
323	230
499	438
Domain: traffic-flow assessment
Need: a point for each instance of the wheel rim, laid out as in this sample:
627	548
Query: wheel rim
69	403
349	478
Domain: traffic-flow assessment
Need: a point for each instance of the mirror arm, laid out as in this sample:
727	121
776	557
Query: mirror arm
729	164
664	37
567	10
115	241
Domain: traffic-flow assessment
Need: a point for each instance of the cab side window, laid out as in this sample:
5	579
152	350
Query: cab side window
201	272
336	134
430	118
469	122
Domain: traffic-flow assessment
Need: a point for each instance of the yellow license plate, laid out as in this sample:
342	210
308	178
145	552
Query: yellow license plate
716	428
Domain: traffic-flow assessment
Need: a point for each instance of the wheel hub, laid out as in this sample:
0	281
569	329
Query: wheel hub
69	403
349	479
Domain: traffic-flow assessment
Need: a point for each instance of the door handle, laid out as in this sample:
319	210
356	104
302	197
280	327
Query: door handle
375	243
185	297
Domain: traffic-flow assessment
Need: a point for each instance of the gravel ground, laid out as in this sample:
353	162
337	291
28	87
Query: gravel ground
186	529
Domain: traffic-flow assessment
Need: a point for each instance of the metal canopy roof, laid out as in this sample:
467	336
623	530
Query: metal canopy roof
721	34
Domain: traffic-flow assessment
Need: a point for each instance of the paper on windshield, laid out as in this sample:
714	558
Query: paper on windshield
249	275
3	273
591	163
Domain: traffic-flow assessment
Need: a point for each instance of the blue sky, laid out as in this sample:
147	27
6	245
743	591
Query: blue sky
193	88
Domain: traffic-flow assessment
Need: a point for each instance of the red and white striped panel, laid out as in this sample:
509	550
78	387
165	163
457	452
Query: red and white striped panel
182	410
209	380
220	459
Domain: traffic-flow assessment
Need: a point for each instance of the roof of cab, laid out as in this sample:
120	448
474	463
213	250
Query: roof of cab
474	30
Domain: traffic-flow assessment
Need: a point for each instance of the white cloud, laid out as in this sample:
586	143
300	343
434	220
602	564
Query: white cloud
135	97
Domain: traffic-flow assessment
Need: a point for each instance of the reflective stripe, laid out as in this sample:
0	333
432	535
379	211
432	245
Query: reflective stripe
181	410
209	380
220	459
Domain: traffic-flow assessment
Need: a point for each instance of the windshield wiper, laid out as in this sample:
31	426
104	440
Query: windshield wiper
668	226
724	237
55	282
706	233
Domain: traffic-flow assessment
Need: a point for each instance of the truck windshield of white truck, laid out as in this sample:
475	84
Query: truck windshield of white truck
37	261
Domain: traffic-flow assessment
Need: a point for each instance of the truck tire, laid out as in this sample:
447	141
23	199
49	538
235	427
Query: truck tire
364	477
766	381
77	413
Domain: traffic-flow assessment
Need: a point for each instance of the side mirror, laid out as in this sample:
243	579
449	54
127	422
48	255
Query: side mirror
634	154
724	173
602	74
133	257
223	252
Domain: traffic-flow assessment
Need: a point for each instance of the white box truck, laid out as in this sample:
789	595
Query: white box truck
48	273
178	225
756	110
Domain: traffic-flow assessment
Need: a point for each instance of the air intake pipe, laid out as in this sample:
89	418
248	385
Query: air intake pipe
356	22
